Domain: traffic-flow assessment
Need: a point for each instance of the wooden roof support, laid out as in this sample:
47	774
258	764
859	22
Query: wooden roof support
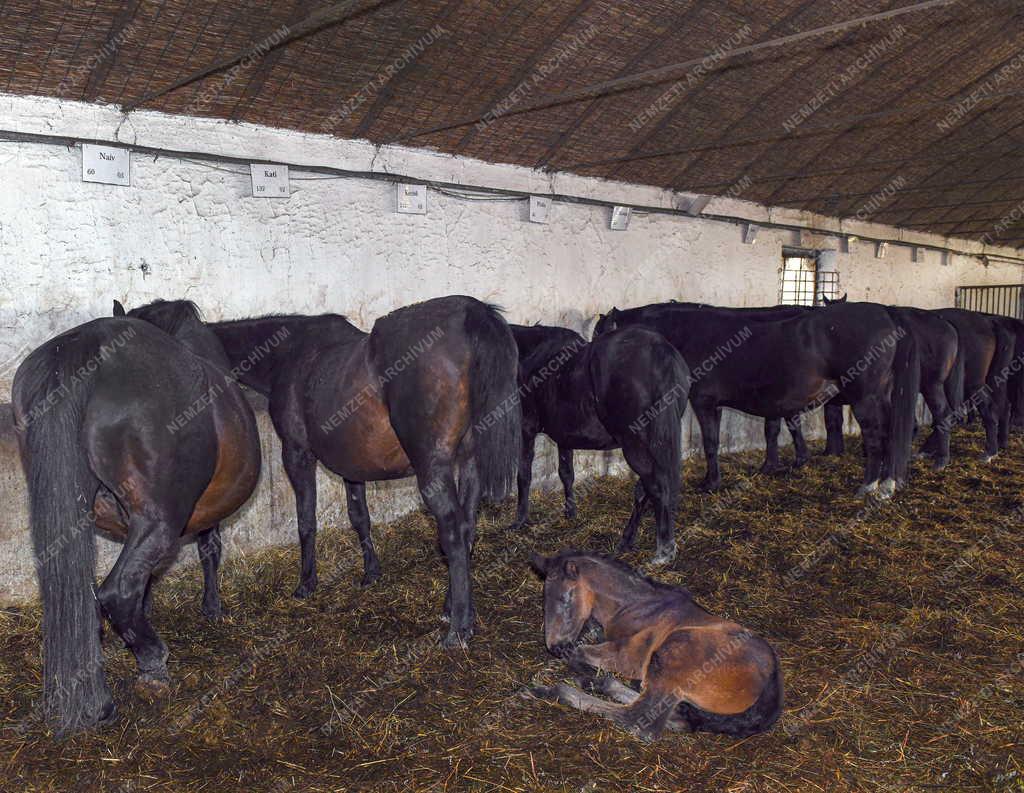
333	14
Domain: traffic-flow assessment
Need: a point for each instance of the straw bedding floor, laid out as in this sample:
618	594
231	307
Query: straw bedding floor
899	628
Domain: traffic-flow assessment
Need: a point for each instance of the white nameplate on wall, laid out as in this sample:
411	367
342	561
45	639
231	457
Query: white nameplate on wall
540	206
269	181
106	164
412	199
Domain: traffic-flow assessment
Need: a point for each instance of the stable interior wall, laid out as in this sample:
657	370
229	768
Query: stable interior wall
189	228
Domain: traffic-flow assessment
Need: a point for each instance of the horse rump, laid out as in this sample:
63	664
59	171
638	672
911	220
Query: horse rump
759	717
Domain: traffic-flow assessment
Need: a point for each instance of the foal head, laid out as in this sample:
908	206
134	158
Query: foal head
568	598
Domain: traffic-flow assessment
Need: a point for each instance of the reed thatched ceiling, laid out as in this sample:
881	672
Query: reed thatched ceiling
913	120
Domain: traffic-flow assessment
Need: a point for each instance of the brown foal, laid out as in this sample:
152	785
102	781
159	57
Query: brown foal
696	671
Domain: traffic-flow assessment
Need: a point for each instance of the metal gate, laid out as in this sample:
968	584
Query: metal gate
1005	300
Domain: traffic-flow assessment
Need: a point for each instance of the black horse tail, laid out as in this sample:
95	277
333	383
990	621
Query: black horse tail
955	381
759	717
906	385
61	487
667	426
495	411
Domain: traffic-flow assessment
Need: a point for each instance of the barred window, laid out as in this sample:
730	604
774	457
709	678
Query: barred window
803	284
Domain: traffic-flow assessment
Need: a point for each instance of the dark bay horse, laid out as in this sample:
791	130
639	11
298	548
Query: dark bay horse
430	392
123	425
628	390
777	369
696	671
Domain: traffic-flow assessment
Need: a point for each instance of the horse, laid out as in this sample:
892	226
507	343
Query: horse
696	671
777	369
626	390
988	349
430	391
124	425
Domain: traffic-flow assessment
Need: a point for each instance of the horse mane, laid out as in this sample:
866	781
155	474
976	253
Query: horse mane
547	342
168	315
283	318
617	564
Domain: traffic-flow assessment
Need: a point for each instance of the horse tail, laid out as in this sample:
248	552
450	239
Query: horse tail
906	385
955	381
759	717
667	426
61	488
1002	361
495	411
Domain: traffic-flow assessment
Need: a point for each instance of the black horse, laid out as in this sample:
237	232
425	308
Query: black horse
124	425
942	381
777	369
988	345
628	390
430	392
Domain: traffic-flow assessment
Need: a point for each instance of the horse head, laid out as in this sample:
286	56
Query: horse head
568	600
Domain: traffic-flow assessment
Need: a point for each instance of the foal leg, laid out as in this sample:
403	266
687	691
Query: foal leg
209	546
122	595
568	476
646	717
359	517
300	466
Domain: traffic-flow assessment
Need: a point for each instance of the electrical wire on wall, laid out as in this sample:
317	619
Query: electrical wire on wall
219	162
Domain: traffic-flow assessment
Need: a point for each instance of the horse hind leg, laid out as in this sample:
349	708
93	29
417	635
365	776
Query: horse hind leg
871	417
795	426
359	518
152	538
210	549
300	466
640	503
656	478
646	718
772	464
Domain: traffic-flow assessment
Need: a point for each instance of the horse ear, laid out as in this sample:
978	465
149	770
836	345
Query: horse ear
119	309
539	564
572	570
843	298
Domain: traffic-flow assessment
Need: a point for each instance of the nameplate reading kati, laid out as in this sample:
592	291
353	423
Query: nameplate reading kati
269	181
106	164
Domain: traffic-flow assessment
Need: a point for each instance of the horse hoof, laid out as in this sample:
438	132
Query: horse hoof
457	639
304	590
517	526
108	714
800	462
215	613
151	688
868	488
938	465
543	693
771	469
570	512
709	487
369	578
664	557
887	489
987	458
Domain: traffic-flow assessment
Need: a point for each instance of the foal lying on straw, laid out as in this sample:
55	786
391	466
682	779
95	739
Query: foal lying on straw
696	671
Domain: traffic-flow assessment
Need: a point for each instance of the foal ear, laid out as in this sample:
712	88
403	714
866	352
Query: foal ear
539	565
572	570
119	309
